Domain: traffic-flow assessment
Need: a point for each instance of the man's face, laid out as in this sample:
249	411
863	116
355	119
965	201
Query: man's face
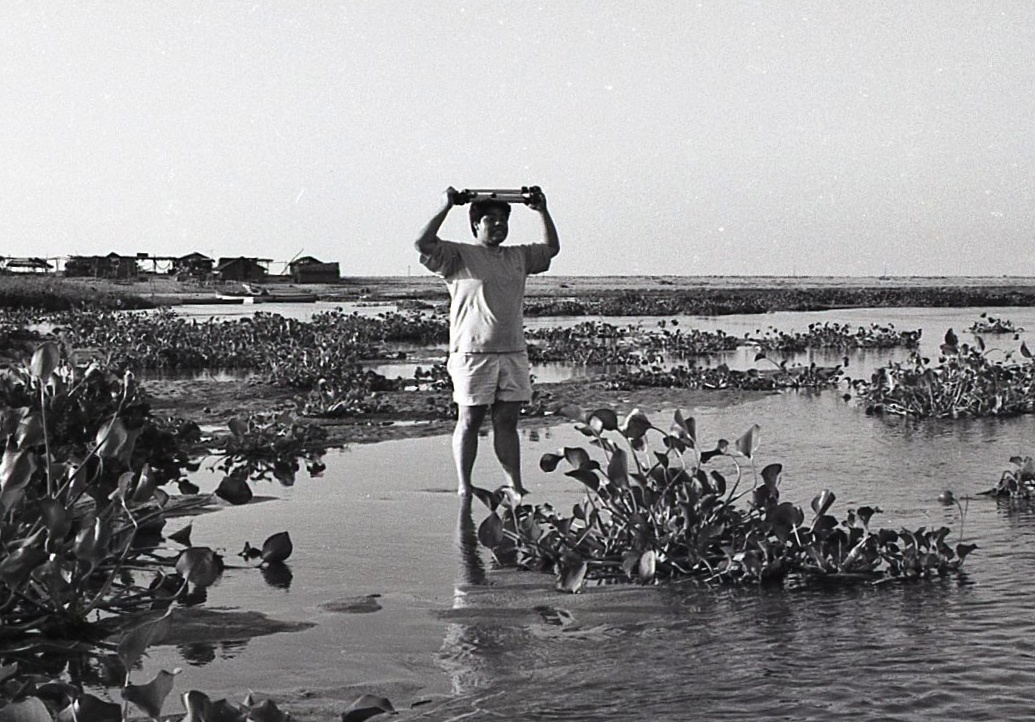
491	230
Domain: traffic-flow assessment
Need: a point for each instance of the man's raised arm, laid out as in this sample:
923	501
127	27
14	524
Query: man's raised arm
549	229
428	238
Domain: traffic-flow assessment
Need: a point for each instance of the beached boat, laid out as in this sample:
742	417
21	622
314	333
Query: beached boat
250	293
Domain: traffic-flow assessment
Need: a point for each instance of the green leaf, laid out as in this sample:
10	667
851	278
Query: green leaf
151	697
490	531
618	469
266	711
587	477
89	707
822	502
572	575
647	567
16	471
486	497
366	707
578	457
238	427
30	709
549	462
688	427
146	486
748	443
16	567
91	543
44	360
136	641
277	548
30	430
200	566
198	706
235	490
603	420
636	425
111	439
771	475
962	550
183	535
720	483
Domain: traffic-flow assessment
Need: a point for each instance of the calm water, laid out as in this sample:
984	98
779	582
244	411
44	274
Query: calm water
474	643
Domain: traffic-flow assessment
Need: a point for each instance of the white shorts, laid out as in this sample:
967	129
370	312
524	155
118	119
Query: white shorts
481	379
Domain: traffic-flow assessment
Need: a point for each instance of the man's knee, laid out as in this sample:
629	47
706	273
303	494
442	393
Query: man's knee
505	414
469	418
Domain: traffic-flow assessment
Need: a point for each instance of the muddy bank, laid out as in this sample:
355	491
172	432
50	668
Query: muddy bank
212	403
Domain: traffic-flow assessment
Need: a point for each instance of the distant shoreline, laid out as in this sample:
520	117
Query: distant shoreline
564	295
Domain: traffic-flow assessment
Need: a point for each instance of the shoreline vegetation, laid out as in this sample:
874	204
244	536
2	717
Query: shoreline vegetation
561	295
210	401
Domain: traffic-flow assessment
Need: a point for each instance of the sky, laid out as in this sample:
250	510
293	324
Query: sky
670	138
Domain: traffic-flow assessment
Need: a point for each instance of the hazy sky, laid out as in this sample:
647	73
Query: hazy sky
841	138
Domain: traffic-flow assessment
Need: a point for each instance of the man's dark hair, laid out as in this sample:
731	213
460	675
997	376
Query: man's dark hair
481	208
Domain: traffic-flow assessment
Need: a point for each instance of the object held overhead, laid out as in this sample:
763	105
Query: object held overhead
525	194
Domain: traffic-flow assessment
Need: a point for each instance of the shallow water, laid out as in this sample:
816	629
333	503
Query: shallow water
483	644
475	643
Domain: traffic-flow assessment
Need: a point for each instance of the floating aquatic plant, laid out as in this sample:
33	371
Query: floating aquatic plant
992	325
968	380
658	506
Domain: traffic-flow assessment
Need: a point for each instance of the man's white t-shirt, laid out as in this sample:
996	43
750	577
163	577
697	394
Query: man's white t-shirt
487	292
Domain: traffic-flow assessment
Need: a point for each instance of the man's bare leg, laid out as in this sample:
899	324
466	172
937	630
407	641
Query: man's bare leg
506	442
465	444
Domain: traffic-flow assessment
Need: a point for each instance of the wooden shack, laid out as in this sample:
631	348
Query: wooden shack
240	269
312	270
193	265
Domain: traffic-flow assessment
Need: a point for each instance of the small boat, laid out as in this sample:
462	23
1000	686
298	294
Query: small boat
251	293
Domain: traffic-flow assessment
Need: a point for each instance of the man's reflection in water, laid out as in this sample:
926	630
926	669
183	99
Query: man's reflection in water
460	644
472	567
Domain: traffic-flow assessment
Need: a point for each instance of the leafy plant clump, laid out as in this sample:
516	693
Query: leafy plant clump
991	324
1017	483
670	511
968	381
84	501
782	376
829	335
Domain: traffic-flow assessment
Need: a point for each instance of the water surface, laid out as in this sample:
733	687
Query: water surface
478	643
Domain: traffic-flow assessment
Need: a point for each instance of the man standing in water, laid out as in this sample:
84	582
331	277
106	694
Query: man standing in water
488	361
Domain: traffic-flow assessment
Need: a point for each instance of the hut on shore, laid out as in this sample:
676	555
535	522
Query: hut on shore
113	266
241	269
312	270
193	265
25	265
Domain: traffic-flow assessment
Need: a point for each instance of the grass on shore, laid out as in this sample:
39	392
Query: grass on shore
51	293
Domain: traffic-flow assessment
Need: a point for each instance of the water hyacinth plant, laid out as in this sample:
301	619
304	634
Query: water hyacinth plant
659	506
1016	483
969	380
991	325
829	335
779	376
85	497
